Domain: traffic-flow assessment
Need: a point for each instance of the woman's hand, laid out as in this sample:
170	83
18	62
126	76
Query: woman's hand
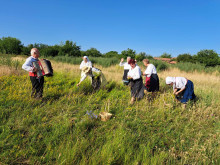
129	77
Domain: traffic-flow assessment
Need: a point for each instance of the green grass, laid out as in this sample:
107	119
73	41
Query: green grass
105	62
191	67
56	130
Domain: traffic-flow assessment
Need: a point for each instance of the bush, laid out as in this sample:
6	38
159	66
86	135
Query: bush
184	58
92	52
166	55
128	53
208	57
9	45
69	49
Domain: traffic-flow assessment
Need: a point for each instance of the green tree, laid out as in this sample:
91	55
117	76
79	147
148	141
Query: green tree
112	54
50	51
166	55
93	52
184	58
140	56
208	57
27	49
69	49
9	45
128	53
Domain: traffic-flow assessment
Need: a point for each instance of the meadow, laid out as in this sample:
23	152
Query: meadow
57	130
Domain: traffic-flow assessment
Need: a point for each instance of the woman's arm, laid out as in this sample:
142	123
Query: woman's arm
176	93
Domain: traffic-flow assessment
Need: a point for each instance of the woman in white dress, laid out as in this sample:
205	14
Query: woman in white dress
97	78
183	89
134	75
152	79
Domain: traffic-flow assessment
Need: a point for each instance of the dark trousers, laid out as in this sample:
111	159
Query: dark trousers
37	86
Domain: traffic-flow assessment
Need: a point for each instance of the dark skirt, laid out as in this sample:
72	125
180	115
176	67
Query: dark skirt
188	93
96	82
125	79
137	88
154	83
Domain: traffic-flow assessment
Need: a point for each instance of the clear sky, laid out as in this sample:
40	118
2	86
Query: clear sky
151	26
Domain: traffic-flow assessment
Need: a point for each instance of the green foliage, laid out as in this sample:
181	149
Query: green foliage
27	49
7	61
191	67
9	45
184	58
51	51
128	53
166	55
208	57
112	54
105	62
69	49
92	52
140	56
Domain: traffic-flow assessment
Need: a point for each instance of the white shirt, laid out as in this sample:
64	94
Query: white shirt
126	65
28	65
151	69
180	83
135	73
88	63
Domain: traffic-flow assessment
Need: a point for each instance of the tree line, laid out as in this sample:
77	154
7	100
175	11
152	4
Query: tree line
10	45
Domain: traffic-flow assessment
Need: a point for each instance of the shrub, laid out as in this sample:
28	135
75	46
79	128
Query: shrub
208	57
9	45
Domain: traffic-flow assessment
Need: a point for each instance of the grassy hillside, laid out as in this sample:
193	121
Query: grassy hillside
57	130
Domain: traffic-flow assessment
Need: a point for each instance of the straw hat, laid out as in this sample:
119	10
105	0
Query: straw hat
86	69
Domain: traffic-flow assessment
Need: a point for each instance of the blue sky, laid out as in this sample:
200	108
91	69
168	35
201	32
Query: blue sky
151	26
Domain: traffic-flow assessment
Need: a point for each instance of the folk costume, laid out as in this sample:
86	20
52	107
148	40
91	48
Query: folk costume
181	83
152	79
126	70
137	88
83	63
37	82
97	78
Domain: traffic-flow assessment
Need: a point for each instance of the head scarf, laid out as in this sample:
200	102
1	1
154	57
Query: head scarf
170	80
86	58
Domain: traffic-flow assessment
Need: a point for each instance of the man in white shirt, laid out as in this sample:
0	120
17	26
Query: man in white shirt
126	69
37	83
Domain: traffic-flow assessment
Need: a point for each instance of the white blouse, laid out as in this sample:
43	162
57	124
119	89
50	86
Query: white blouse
126	65
151	69
89	64
135	73
179	83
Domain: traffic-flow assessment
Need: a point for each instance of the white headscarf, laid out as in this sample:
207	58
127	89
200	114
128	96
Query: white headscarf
170	80
86	58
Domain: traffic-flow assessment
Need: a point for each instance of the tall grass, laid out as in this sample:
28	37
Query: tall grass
191	67
57	130
105	62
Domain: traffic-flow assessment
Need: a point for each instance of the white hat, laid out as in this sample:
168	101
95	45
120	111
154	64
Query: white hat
170	80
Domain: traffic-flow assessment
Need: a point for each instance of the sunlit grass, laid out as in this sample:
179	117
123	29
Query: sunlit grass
56	130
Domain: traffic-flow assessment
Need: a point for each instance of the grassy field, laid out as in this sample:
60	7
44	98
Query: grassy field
57	130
